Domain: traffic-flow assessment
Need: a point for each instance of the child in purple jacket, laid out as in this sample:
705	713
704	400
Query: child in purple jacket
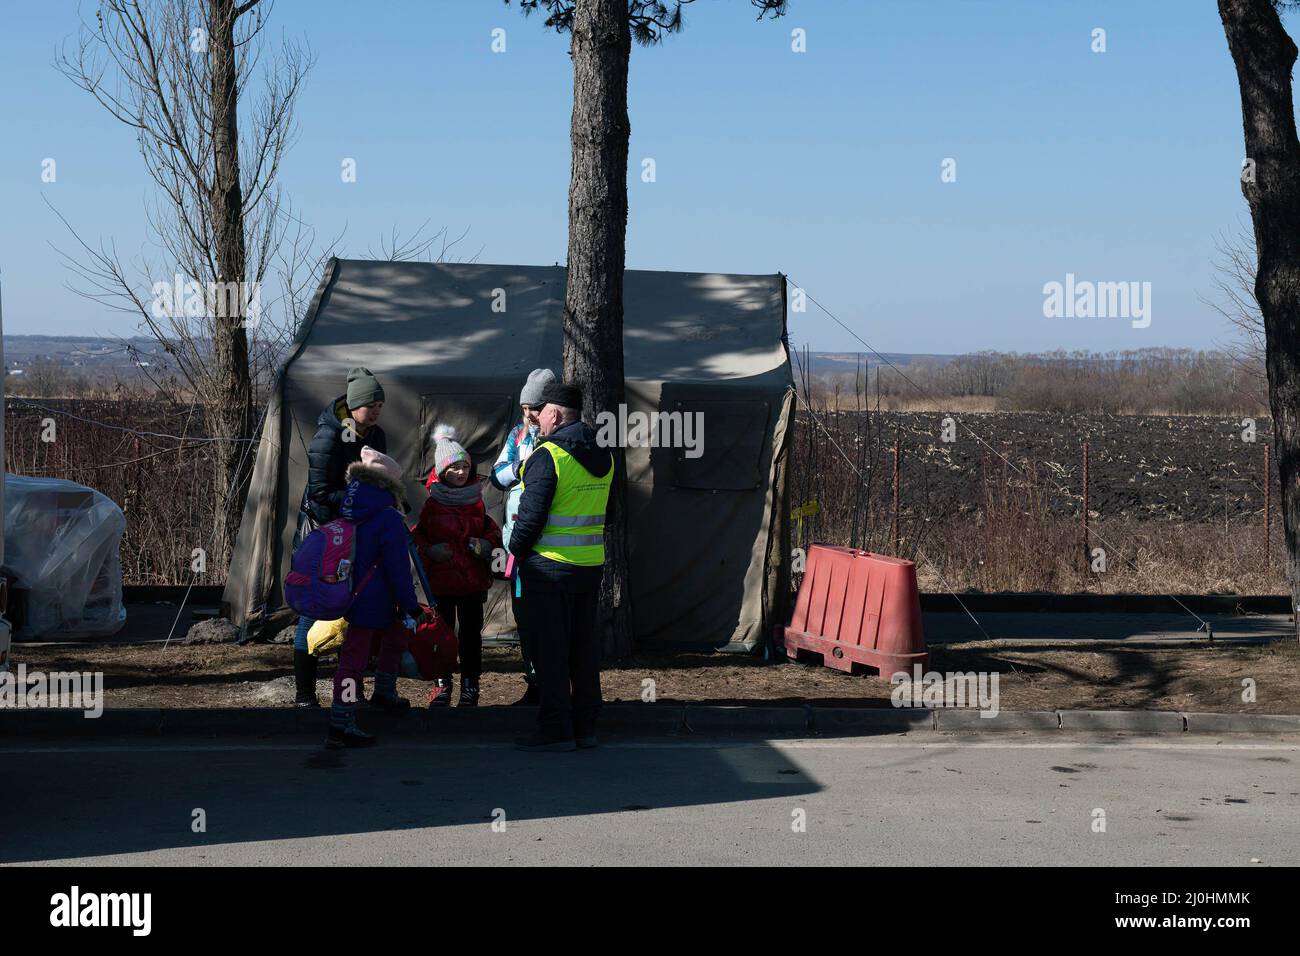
385	604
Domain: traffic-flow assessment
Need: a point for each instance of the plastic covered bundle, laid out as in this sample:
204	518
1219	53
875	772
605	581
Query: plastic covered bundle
61	545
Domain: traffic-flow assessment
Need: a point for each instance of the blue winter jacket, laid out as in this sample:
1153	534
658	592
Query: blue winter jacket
371	501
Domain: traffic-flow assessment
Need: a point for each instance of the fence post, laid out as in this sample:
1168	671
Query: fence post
894	529
1268	495
1087	551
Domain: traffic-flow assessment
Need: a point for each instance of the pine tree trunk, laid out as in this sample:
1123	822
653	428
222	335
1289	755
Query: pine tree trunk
1264	55
232	403
593	303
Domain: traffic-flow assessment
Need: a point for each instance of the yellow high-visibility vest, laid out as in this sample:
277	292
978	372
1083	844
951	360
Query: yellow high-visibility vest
575	528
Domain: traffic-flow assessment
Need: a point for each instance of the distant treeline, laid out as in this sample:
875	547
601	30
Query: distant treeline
1142	381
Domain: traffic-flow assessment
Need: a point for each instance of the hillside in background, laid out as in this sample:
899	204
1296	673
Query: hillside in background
1142	381
86	352
1151	381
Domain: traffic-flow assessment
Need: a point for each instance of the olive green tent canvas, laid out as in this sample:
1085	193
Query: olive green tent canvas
706	427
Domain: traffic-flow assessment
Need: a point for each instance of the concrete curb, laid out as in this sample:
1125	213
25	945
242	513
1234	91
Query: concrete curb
640	719
702	719
1133	721
1004	721
1242	723
853	722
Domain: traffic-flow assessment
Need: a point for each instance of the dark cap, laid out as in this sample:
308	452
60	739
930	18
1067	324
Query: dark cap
558	393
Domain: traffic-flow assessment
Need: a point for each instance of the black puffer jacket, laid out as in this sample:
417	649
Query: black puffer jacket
579	440
328	457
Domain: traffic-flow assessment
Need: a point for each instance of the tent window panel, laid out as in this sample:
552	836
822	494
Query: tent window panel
728	442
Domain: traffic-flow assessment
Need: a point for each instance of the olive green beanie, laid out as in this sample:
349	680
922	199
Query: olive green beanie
363	388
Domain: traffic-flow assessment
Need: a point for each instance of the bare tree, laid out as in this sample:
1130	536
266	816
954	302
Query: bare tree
1234	299
182	74
44	378
420	246
1264	56
600	43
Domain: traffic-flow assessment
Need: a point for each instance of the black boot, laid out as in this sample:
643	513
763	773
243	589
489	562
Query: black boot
350	736
304	678
531	697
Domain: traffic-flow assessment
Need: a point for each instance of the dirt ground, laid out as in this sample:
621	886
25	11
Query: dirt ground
1146	467
1202	678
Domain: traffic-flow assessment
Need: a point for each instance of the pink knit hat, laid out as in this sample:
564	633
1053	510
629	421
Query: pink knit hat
379	460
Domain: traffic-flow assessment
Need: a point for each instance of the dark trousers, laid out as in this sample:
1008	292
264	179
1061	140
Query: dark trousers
525	642
465	615
561	626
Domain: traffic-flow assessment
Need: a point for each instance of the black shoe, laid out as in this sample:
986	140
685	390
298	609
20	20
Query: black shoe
540	743
531	698
304	679
440	695
392	704
350	736
586	743
468	694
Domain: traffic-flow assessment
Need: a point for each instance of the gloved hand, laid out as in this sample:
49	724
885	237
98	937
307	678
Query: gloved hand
438	553
480	548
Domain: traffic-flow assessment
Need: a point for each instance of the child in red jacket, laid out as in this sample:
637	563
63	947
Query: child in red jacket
456	538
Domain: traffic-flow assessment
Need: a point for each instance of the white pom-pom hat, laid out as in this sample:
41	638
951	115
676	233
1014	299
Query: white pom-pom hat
446	450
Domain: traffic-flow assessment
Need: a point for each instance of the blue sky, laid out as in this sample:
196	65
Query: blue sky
825	165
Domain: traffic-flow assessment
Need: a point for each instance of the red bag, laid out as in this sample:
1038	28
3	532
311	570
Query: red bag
435	649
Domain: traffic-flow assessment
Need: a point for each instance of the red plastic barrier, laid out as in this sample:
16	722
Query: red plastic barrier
858	607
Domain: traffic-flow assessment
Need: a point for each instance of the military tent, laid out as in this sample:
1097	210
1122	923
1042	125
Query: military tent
453	343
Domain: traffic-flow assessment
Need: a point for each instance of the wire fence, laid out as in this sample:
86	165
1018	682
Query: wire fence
153	458
1176	504
1143	504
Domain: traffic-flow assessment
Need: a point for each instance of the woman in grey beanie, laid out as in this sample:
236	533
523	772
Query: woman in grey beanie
506	476
538	379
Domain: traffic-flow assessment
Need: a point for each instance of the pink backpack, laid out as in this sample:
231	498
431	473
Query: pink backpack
321	575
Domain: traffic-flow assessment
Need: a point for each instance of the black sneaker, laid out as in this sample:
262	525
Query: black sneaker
392	704
540	743
440	696
350	736
468	694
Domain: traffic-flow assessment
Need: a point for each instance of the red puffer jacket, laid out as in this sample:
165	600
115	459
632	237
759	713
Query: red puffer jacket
454	525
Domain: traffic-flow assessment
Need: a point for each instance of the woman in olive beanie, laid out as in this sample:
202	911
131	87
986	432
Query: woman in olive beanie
349	423
363	388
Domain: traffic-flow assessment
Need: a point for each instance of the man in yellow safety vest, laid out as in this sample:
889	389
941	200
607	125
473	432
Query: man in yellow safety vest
558	541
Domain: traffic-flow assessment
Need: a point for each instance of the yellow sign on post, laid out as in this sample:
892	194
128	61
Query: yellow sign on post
805	510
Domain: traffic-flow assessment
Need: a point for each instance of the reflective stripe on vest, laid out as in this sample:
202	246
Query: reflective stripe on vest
575	528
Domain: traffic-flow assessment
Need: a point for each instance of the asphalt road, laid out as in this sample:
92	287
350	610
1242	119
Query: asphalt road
882	800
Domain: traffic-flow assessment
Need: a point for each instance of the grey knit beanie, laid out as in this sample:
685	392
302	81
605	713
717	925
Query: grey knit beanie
538	379
446	450
363	388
